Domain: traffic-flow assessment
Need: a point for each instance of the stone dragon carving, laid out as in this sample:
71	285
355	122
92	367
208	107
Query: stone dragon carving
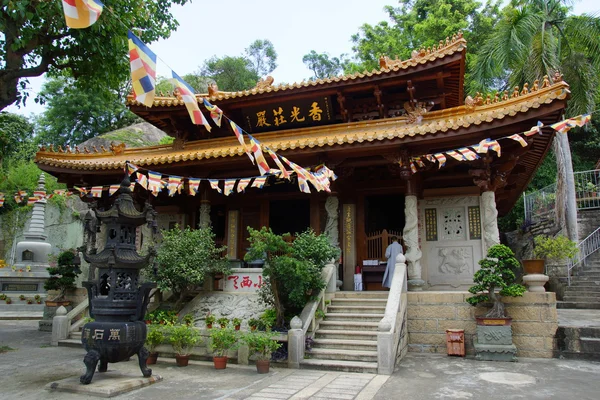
410	235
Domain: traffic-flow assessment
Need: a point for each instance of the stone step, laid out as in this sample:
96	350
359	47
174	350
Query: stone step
588	275
339	365
18	305
343	354
578	305
593	284
345	334
21	315
75	335
355	309
363	295
353	317
70	343
368	345
581	297
358	302
578	289
349	325
585	279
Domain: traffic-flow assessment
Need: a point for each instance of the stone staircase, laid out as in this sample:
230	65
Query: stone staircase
346	339
584	292
582	343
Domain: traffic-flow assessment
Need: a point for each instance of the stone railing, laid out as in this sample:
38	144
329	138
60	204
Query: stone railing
63	325
392	338
307	324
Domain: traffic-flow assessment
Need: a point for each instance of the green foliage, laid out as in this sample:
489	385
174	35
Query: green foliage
35	40
262	56
222	340
63	276
186	257
74	115
322	65
253	322
155	337
319	314
497	272
267	319
161	317
292	273
230	73
554	250
166	140
209	319
16	137
236	322
183	338
262	344
188	319
223	321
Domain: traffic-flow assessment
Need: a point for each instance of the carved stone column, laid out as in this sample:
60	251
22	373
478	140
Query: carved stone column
349	244
489	214
332	229
204	220
410	235
232	234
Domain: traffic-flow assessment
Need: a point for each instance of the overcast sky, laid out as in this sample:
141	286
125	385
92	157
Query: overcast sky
227	27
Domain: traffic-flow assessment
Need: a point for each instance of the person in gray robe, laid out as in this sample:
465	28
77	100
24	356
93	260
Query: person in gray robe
391	252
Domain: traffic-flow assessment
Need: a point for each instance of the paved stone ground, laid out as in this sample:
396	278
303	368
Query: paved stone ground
581	318
25	371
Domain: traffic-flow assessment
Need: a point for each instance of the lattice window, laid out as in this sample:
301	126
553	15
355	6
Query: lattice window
125	281
431	224
453	224
474	223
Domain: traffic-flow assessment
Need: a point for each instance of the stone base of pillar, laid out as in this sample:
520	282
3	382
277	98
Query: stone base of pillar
535	282
415	285
338	285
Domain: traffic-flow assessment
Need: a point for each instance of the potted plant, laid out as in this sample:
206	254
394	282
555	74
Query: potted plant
262	344
221	341
237	323
62	277
188	319
223	321
554	250
22	297
154	338
253	324
2	296
8	300
209	320
497	272
29	301
183	338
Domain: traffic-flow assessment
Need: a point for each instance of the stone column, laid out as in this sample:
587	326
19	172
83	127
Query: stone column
349	244
204	220
232	234
332	229
295	343
489	216
410	235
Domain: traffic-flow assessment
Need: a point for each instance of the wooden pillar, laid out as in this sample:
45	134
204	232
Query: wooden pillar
349	244
315	217
233	222
264	212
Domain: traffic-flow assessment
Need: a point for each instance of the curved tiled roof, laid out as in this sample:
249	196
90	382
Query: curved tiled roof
423	56
323	136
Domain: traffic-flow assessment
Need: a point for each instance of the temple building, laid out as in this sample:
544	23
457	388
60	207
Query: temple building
410	150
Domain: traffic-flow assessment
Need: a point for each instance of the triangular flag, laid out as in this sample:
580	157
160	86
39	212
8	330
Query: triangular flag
131	168
142	180
40	194
284	172
259	182
241	187
261	163
155	184
81	13
468	153
215	112
113	189
190	101
456	155
518	138
142	63
193	184
240	137
96	191
302	184
441	159
174	185
534	130
31	201
214	183
413	168
229	185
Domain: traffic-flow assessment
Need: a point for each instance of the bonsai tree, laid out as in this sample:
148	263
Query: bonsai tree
183	338
292	272
262	344
222	340
554	250
64	274
186	258
497	273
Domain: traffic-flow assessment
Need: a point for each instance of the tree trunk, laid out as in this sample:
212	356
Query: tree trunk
497	310
564	166
278	306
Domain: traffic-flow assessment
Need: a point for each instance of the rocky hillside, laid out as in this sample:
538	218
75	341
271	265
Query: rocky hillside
137	135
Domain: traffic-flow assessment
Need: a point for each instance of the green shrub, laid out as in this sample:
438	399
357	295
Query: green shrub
223	321
162	317
183	338
154	338
263	344
554	250
63	276
222	340
209	319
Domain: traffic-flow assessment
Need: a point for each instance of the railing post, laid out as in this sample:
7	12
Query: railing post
295	343
60	326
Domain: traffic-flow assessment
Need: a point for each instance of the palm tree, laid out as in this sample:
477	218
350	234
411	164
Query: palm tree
536	38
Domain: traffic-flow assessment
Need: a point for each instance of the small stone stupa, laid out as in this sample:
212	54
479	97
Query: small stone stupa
28	274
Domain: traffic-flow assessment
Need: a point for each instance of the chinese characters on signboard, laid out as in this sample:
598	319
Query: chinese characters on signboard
288	114
243	280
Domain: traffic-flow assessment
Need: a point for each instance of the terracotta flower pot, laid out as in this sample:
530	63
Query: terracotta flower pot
494	321
152	358
237	327
533	266
208	326
252	328
57	303
182	361
220	362
262	366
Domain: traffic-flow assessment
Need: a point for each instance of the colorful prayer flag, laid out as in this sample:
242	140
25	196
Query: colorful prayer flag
534	130
240	136
112	189
241	187
519	139
174	185
284	172
31	201
261	163
131	168
40	194
214	183
189	99
259	182
566	125
155	184
142	180
215	112
143	70
82	191
229	185
430	158
419	162
193	184
413	168
81	13
456	155
1	202
302	184
441	159
96	191
60	192
468	153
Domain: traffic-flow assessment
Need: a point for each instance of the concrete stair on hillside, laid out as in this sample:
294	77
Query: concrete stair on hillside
584	292
582	343
346	339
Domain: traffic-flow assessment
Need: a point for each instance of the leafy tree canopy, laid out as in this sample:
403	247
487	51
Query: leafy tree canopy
322	65
263	57
230	73
16	133
74	114
35	40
